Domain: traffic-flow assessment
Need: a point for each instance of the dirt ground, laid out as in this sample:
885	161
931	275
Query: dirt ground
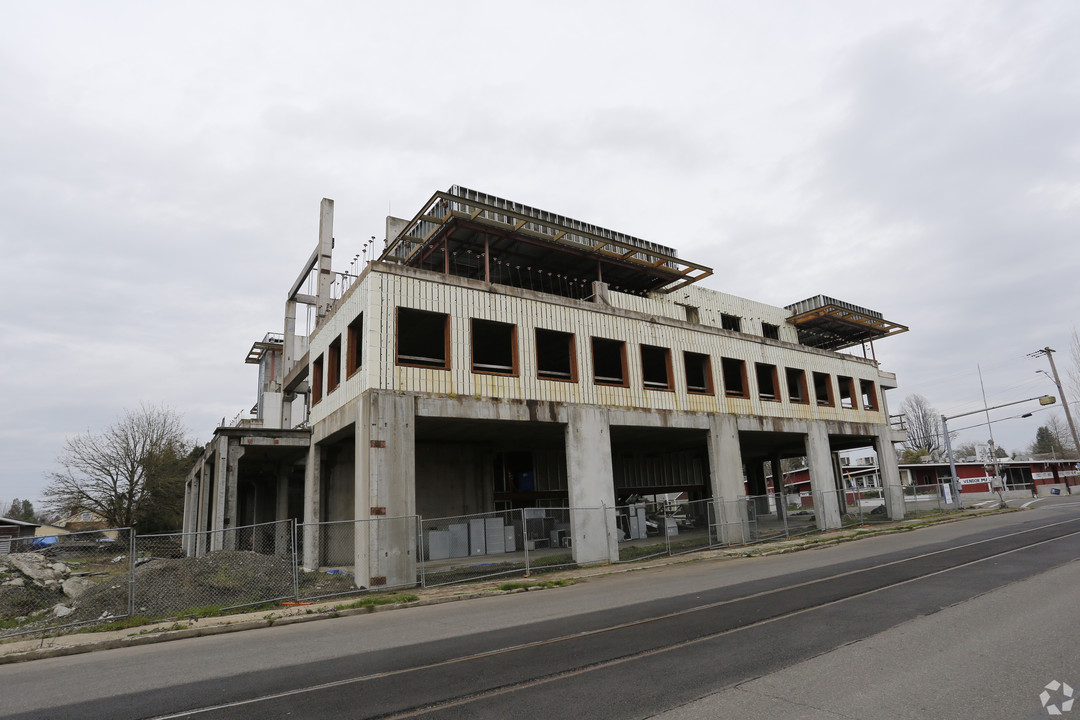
166	587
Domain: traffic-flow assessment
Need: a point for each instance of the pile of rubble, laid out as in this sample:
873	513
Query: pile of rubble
31	583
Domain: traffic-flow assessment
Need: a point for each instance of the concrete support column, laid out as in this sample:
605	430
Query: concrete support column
232	509
221	463
591	484
204	509
778	487
841	486
287	361
758	487
819	461
323	263
385	498
283	528
312	514
191	489
726	475
891	485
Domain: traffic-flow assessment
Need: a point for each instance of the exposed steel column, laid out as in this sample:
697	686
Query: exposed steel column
487	258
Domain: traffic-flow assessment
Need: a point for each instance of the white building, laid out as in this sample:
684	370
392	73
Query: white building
499	356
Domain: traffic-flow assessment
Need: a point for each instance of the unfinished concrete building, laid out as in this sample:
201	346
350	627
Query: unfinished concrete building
498	356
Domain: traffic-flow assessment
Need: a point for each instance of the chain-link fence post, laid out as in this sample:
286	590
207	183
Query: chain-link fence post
607	530
525	540
133	548
295	561
420	550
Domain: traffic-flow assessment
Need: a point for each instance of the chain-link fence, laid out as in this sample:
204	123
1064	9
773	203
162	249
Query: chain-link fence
928	499
328	551
473	547
50	583
248	565
53	582
653	529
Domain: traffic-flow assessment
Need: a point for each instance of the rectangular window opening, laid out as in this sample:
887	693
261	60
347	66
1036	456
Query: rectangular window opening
494	347
656	367
354	352
316	380
556	355
823	389
609	362
869	395
731	322
766	381
333	365
770	331
423	338
847	391
698	373
734	377
796	385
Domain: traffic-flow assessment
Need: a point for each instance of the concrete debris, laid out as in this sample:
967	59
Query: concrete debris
35	567
60	610
75	586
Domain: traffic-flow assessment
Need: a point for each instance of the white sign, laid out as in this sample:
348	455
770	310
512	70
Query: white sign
947	490
975	480
1043	476
1069	473
982	452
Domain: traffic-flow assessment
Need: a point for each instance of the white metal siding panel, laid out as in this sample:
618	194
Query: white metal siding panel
381	293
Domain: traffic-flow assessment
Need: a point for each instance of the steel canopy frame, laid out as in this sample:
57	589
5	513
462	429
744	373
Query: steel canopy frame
837	327
445	207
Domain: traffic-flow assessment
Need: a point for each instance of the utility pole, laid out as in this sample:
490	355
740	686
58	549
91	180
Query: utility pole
956	485
1049	353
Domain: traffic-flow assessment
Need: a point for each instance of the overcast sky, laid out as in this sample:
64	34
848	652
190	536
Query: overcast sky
161	167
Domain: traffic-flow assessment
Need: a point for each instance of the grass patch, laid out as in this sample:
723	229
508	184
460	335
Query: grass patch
373	600
119	624
641	551
542	584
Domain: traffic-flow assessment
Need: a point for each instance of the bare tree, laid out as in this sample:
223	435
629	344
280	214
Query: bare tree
923	423
115	473
1053	439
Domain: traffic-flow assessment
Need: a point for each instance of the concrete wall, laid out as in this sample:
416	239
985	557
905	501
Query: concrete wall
452	479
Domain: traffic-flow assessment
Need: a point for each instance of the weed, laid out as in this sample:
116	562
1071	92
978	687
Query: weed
506	587
373	600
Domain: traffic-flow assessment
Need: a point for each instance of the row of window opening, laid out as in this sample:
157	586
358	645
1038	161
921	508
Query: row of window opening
423	340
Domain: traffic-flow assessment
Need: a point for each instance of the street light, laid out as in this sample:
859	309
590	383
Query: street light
1043	400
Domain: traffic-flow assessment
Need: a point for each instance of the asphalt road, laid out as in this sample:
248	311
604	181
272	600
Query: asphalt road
701	639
